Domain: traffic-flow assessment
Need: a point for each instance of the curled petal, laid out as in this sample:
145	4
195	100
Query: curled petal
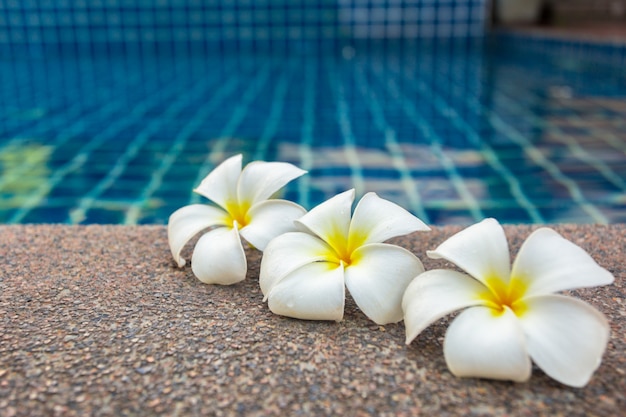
286	253
259	180
314	292
219	258
270	218
435	294
486	344
376	220
331	219
548	263
566	337
377	277
481	250
188	221
220	185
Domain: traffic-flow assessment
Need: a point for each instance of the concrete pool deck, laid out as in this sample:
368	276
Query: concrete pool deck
97	320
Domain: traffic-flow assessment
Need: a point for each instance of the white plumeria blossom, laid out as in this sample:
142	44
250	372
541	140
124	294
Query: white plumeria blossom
304	274
512	314
244	209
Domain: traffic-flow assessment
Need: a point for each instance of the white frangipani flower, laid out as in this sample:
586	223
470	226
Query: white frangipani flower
245	209
304	274
512	315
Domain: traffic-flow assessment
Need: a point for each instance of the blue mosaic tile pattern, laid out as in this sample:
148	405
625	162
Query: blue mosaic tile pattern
256	24
453	131
412	18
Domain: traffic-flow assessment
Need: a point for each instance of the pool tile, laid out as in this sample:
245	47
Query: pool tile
454	140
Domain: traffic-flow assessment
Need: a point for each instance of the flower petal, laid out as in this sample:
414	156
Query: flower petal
220	185
485	344
566	337
481	250
548	263
314	292
330	220
377	277
286	253
270	218
188	221
376	220
435	294
219	258
259	180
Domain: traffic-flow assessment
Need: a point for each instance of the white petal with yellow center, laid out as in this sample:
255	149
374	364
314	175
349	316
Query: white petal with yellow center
259	180
269	219
286	253
315	291
480	343
219	258
331	221
566	337
513	318
377	220
220	186
481	250
548	263
375	273
188	221
435	294
377	277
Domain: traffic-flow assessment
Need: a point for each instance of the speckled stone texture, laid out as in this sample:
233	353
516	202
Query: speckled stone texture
97	320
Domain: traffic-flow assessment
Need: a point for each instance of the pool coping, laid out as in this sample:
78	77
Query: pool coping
97	320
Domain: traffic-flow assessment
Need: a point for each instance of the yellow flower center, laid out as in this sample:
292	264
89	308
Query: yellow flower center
343	246
500	295
238	212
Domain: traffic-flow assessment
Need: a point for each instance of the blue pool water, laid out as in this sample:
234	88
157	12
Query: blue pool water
527	132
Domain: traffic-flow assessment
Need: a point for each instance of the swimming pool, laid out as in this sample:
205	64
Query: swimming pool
454	131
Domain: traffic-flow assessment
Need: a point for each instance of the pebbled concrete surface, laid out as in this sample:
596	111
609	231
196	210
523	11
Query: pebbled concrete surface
97	320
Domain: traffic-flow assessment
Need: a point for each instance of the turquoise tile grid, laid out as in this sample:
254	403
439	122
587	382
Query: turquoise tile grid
102	25
453	131
83	154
